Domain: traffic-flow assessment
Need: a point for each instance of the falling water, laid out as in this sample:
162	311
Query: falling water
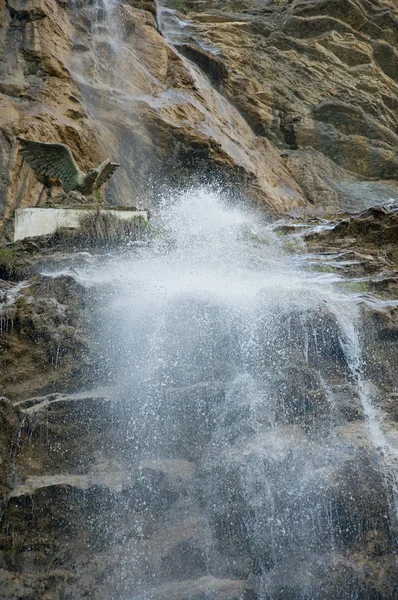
179	30
231	364
257	446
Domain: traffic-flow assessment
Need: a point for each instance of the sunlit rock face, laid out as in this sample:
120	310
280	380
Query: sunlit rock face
102	79
222	91
315	77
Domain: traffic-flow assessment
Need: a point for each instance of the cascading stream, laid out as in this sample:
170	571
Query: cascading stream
242	371
225	356
178	30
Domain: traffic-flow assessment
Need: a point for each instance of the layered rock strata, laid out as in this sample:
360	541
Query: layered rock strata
316	78
106	82
313	81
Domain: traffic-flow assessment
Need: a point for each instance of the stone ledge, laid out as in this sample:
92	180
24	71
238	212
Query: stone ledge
114	482
31	222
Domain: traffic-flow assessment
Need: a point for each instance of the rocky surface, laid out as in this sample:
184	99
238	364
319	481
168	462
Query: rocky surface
366	242
82	516
362	249
295	102
109	85
315	78
301	110
43	340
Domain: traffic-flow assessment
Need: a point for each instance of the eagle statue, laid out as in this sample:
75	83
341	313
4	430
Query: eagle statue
56	160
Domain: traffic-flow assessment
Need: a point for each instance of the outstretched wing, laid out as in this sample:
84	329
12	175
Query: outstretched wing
51	160
105	170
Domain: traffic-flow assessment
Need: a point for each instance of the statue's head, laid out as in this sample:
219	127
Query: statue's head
92	175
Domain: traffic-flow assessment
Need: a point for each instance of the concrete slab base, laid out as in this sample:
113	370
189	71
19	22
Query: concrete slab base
30	222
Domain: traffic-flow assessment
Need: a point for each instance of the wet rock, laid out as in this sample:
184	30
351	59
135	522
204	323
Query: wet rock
201	589
164	481
305	400
314	338
367	241
380	343
364	245
55	498
312	77
346	401
371	226
16	587
10	425
55	94
336	578
188	415
179	552
178	471
57	426
390	405
360	502
306	80
71	513
315	80
261	483
43	323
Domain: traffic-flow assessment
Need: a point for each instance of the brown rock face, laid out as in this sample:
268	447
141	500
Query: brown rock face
315	77
42	327
245	467
106	83
201	496
366	246
10	427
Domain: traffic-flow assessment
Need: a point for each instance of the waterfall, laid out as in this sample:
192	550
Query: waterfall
231	364
178	30
350	342
259	456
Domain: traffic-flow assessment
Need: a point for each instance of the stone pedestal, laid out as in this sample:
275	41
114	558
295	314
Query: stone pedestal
30	222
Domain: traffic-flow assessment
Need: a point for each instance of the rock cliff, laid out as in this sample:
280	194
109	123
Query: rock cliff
314	77
292	103
301	110
82	516
108	84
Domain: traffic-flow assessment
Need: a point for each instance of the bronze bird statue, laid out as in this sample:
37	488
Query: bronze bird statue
56	160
